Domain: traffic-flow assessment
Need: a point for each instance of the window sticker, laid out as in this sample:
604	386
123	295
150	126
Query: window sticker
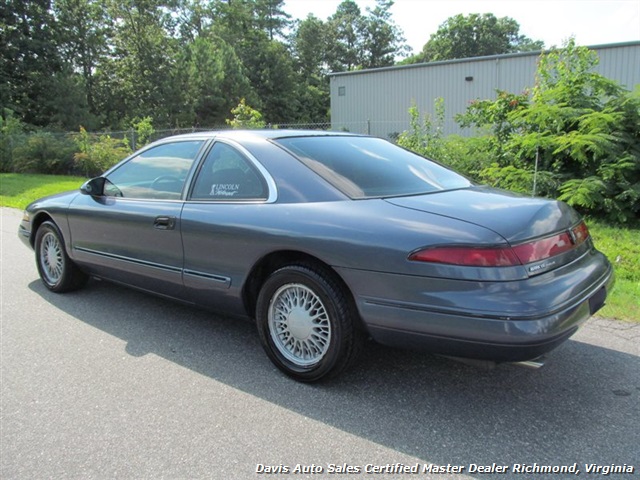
224	189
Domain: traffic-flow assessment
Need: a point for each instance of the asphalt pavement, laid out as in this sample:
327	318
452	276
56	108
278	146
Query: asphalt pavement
110	383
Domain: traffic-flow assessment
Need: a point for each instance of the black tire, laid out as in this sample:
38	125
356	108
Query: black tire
307	323
57	271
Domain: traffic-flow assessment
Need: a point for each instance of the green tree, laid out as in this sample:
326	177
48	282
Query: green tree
271	17
356	40
345	36
139	78
267	63
235	22
103	63
190	19
309	43
84	36
383	39
39	81
578	129
29	58
67	103
272	74
215	81
475	35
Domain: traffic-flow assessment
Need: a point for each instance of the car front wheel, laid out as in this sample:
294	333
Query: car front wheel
57	271
306	323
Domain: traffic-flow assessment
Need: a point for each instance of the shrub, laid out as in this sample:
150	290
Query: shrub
11	135
425	133
44	152
144	132
245	117
578	130
98	153
467	156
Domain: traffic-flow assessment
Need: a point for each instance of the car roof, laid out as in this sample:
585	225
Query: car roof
255	134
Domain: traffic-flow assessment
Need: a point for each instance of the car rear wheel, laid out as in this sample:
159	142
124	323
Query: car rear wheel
307	323
57	271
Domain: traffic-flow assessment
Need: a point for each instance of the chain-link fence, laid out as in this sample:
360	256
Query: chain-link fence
85	153
131	136
88	153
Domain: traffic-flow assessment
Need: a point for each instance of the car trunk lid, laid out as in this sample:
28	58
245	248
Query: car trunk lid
542	235
515	218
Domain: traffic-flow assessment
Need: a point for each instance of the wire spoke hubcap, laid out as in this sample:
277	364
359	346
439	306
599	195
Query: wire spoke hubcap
51	259
299	324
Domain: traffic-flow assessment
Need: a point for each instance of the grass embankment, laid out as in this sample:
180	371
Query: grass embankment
620	245
18	190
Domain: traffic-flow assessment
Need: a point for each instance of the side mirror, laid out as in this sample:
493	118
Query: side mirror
93	187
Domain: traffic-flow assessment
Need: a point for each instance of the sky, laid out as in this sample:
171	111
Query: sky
591	22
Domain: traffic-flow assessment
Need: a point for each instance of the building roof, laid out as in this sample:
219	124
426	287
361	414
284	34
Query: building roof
476	59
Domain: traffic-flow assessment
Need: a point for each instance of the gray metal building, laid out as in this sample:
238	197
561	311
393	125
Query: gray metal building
377	101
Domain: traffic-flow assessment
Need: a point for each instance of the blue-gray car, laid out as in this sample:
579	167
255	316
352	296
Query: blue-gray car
327	239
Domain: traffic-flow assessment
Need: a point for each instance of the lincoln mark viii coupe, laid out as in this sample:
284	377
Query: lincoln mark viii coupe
326	239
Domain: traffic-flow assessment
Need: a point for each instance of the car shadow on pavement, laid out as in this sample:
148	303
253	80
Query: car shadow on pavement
430	408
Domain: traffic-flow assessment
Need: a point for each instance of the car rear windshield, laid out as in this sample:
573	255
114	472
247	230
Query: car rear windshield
367	167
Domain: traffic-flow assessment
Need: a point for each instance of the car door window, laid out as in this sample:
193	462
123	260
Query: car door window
157	173
227	174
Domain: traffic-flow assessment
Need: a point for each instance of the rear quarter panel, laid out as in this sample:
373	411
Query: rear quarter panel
227	240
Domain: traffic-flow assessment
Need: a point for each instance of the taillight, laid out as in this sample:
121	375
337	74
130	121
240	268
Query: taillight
522	254
467	256
552	246
580	233
545	248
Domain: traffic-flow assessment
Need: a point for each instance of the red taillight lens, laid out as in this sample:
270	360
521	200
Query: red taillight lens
505	256
580	232
552	246
467	256
545	248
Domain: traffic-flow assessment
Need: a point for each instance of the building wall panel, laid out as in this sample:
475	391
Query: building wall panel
378	101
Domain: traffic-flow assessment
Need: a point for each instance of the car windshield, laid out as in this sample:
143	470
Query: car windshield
366	167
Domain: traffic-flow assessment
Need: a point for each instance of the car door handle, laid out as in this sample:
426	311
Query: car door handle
164	223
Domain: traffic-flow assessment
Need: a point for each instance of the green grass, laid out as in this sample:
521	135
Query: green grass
620	245
18	190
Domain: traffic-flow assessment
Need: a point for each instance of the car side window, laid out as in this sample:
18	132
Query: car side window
227	174
157	173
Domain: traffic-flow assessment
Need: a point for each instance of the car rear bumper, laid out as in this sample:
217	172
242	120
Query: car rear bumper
511	340
502	322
